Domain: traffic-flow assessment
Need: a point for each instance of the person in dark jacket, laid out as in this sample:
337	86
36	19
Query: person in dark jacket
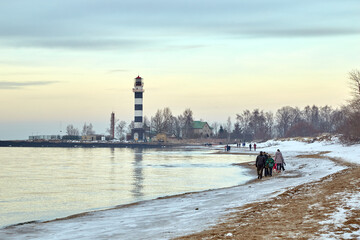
266	167
260	163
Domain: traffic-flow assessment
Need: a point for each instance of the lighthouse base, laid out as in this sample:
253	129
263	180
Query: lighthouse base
137	134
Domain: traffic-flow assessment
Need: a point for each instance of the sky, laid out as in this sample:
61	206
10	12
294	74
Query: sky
70	62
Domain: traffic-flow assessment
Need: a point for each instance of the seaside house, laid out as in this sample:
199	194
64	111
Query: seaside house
94	137
201	129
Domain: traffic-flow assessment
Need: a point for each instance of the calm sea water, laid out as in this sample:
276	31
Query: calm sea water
48	183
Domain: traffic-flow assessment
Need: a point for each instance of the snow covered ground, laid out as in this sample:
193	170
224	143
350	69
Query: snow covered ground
337	219
181	215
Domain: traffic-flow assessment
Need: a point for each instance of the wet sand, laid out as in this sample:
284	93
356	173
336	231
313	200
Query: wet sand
296	213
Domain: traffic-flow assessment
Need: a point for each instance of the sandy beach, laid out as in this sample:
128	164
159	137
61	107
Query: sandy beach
300	213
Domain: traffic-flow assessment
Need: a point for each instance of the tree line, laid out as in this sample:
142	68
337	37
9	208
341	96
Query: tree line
257	124
294	122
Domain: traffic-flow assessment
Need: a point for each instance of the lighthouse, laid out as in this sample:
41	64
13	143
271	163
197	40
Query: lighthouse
137	132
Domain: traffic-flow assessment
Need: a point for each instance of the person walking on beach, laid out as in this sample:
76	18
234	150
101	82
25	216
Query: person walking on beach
279	159
266	167
250	146
255	147
270	164
260	163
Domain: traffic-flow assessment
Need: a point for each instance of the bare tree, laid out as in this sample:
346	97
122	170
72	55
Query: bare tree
354	77
131	126
244	120
339	118
146	122
284	120
168	120
269	122
120	130
71	131
176	127
351	127
326	119
157	122
258	124
186	121
87	130
215	127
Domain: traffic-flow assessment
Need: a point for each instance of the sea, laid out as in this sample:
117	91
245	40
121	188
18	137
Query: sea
40	184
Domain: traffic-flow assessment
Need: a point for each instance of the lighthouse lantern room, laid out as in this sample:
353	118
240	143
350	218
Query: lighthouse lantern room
137	132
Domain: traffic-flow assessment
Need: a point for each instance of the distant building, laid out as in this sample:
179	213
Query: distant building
45	137
71	137
201	129
160	137
95	137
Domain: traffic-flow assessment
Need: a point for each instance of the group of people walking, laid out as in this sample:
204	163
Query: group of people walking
251	146
264	161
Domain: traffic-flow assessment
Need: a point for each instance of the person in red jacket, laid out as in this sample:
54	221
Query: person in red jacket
254	146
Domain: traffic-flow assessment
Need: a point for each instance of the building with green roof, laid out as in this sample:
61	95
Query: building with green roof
201	129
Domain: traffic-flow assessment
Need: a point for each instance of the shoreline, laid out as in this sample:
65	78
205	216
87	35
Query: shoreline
247	165
248	221
297	199
83	144
130	204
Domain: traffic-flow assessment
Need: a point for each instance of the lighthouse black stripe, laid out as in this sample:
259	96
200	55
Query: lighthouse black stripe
138	119
138	107
138	94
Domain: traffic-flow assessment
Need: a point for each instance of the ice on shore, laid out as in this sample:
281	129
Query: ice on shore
170	217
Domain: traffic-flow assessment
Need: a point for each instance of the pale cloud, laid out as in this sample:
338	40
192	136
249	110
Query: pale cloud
78	43
18	85
117	70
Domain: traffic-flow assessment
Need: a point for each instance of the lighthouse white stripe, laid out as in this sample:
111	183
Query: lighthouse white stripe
138	100
138	125
138	113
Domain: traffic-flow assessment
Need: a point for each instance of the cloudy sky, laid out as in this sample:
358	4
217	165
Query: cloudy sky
73	61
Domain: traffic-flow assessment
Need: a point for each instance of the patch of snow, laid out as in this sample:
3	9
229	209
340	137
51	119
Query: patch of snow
336	220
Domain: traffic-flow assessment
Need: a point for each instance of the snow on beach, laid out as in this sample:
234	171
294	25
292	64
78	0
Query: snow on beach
336	220
181	215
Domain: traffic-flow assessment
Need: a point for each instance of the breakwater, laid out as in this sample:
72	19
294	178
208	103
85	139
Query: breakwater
84	144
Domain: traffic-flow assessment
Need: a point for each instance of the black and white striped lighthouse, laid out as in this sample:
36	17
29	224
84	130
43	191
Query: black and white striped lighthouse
138	131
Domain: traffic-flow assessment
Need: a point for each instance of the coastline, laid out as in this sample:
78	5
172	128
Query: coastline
302	211
248	165
200	150
327	208
233	212
83	144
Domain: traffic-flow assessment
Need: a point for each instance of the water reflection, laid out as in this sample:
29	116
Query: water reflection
47	183
138	177
112	168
